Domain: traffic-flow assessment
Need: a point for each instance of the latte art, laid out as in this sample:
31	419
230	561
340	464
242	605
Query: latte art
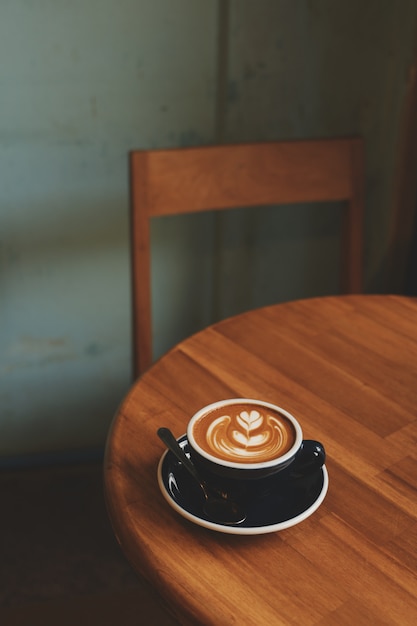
245	434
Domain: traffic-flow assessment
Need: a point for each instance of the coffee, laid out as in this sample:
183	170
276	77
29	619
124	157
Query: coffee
244	433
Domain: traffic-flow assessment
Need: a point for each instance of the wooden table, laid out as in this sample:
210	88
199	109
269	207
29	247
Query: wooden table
347	368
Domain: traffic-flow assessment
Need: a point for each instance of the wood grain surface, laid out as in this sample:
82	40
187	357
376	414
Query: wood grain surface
346	367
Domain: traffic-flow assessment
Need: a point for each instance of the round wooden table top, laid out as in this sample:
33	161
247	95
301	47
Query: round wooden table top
346	367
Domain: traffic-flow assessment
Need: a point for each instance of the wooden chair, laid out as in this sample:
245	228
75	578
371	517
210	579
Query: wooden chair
186	180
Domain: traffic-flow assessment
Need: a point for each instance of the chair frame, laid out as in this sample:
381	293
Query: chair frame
187	180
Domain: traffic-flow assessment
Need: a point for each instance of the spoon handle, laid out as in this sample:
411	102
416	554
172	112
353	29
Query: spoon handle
172	444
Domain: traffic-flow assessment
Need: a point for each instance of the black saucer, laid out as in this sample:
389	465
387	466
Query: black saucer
272	504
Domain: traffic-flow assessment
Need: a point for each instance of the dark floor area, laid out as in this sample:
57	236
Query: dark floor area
59	560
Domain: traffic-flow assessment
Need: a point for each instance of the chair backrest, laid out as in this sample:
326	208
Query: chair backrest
187	180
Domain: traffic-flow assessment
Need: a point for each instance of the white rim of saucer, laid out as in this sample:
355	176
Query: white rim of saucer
233	464
242	530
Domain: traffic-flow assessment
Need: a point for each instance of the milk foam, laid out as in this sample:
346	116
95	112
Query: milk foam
244	434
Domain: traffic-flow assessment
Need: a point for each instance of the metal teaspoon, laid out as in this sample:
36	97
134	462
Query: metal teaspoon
217	509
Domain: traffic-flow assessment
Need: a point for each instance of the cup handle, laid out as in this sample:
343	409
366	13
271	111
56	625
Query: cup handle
310	457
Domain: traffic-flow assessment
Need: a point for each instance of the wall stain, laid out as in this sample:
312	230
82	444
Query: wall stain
94	349
31	352
39	345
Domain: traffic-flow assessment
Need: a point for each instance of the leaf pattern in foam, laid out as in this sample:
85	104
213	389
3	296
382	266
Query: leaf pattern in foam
249	420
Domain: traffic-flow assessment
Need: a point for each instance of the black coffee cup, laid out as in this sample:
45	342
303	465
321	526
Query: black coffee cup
247	439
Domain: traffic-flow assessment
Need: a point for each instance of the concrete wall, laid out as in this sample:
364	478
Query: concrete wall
81	83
